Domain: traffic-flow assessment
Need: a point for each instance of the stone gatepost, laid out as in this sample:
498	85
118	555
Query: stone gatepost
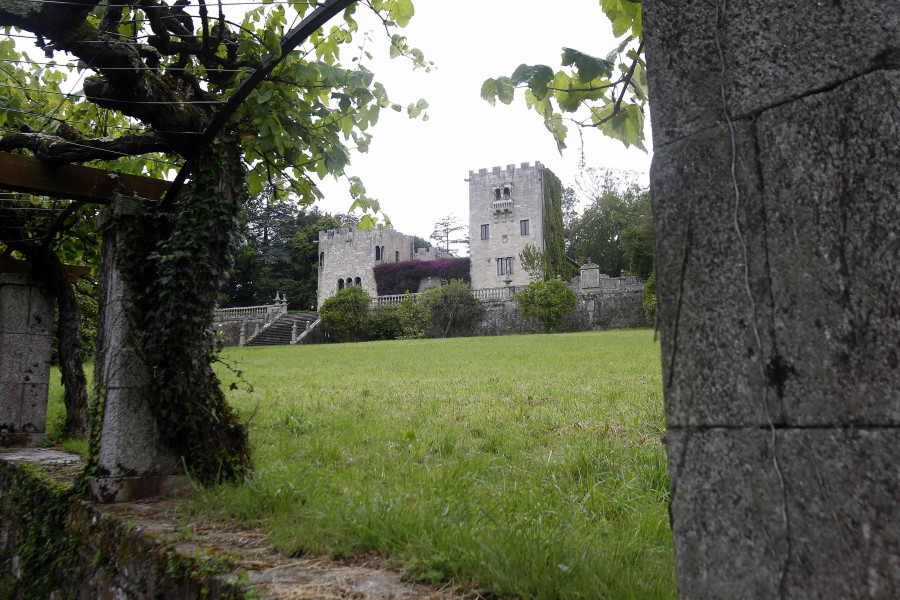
590	276
26	336
132	462
776	208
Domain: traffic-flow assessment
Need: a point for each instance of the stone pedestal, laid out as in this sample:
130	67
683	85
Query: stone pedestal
775	203
26	336
132	462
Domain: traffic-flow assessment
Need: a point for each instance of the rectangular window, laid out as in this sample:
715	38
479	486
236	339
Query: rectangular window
505	266
485	232
523	226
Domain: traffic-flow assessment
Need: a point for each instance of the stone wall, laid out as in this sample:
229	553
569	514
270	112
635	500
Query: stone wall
231	330
56	545
592	312
26	336
347	257
502	199
775	184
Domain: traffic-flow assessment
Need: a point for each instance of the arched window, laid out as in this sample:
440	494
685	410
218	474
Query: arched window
497	193
340	284
321	259
358	281
506	192
377	252
349	281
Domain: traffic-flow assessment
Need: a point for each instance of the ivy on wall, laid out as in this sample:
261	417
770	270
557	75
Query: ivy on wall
554	235
401	277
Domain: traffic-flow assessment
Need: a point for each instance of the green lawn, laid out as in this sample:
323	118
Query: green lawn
525	466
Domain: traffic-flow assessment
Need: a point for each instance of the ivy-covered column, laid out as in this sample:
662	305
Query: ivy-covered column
775	183
129	459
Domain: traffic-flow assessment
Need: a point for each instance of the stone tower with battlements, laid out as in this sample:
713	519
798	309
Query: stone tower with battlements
506	213
347	257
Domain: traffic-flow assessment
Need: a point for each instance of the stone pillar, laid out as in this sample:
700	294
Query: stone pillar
133	462
243	335
590	275
775	182
26	335
294	333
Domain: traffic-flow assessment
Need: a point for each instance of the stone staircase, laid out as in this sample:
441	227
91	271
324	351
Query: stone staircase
278	333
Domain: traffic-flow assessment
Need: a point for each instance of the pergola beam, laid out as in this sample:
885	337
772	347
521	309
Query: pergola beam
29	175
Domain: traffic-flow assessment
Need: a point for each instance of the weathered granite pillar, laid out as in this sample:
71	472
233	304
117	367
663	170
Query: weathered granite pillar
133	462
776	205
590	275
26	336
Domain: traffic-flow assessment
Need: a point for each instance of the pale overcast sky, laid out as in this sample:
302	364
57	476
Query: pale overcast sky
418	169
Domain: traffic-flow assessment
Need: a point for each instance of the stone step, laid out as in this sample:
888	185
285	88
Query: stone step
279	332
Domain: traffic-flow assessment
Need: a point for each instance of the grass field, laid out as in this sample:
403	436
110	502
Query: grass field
518	466
525	466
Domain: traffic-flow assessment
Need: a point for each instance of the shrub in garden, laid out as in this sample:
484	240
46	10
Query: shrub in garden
454	311
547	301
347	313
385	323
649	297
415	319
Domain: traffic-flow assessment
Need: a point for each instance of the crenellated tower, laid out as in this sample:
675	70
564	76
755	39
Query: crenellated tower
509	210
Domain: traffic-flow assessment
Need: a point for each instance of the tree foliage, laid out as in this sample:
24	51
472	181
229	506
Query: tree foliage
347	313
547	301
454	311
415	319
279	253
536	262
445	235
609	93
615	231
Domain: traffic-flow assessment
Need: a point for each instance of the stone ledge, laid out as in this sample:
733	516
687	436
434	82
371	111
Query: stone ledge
155	548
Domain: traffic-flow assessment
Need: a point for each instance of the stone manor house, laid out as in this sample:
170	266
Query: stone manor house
508	210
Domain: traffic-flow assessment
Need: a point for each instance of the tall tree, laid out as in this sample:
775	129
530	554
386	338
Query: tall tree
231	105
445	232
615	230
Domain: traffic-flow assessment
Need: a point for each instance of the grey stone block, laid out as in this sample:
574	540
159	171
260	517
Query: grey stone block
34	408
842	488
831	166
41	311
15	298
712	372
125	369
776	51
25	358
130	443
10	405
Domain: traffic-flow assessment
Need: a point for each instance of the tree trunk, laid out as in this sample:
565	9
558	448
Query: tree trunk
68	333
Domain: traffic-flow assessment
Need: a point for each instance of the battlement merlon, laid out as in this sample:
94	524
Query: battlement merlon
346	234
499	170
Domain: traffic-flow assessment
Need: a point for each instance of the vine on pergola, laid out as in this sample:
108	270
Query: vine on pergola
160	75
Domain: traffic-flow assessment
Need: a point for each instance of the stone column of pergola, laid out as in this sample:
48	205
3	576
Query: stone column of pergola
776	205
26	336
132	462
